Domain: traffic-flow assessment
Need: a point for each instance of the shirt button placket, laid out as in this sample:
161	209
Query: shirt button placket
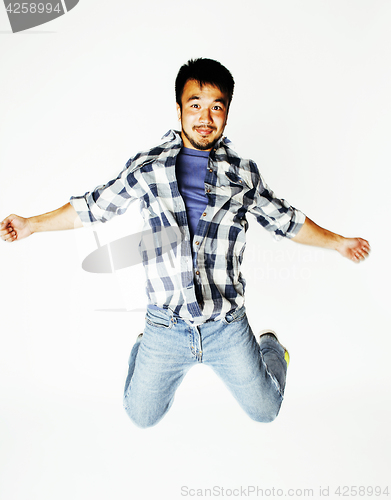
197	272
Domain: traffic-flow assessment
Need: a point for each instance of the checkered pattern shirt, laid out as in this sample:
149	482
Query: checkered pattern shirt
205	284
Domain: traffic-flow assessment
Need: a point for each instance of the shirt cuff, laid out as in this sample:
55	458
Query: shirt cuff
80	204
296	223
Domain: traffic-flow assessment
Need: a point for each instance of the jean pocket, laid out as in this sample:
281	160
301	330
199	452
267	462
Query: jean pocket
158	318
234	316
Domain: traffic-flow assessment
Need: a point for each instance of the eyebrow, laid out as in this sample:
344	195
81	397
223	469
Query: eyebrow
196	97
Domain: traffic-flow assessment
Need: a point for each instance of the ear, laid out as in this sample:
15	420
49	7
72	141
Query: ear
178	110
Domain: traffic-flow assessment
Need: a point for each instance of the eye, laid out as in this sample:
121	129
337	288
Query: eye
218	108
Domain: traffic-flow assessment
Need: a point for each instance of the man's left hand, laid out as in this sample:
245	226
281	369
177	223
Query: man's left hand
355	249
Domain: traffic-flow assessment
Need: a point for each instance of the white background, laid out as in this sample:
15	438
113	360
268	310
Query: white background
82	94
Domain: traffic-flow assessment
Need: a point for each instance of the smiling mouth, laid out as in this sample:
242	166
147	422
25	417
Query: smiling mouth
204	130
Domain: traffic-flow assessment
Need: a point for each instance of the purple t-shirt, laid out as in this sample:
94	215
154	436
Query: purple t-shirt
191	165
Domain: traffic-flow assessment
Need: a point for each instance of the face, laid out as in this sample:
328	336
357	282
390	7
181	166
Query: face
203	115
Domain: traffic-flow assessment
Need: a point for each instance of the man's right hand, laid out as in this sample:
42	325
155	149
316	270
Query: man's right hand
14	228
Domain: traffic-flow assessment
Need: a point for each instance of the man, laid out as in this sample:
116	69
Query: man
196	185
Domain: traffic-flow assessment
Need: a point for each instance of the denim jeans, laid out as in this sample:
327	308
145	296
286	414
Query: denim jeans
254	373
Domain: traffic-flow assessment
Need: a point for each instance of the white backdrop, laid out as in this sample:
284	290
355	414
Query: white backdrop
82	94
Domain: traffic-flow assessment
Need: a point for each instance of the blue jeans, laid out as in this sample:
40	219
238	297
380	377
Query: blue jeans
169	347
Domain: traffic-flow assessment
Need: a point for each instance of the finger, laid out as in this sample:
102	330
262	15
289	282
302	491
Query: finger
362	249
9	232
6	221
362	256
353	256
9	237
365	244
361	253
358	256
6	231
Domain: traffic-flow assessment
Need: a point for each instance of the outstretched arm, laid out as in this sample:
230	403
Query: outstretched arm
355	249
14	228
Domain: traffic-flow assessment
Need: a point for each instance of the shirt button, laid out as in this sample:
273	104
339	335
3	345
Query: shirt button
197	272
204	214
197	242
211	170
208	190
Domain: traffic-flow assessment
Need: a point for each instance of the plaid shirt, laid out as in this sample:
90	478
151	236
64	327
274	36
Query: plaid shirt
205	284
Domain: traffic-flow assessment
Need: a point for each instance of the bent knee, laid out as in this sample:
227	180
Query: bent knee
264	418
266	414
142	414
142	419
143	423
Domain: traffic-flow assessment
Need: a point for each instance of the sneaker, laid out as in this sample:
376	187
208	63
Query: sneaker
272	334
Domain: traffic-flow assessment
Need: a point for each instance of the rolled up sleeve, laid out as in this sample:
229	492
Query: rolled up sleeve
108	200
275	214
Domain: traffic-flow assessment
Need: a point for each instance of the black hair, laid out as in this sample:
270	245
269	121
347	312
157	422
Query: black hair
204	71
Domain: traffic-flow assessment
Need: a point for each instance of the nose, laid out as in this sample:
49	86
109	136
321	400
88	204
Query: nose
205	116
